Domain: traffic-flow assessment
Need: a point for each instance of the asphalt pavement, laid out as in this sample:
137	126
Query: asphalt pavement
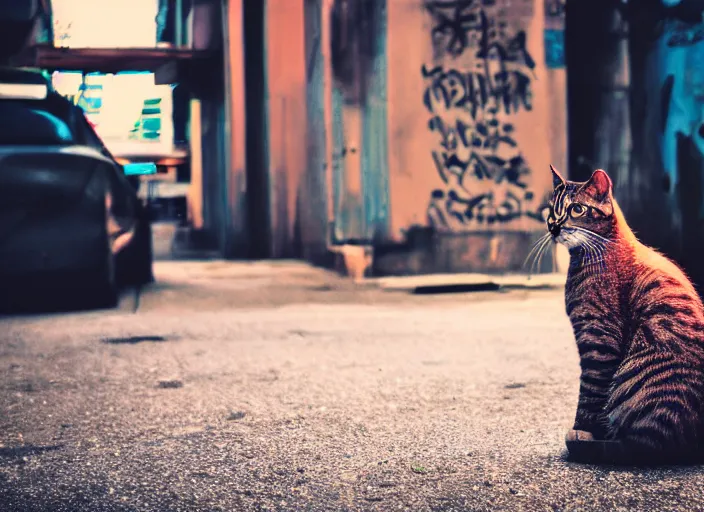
238	387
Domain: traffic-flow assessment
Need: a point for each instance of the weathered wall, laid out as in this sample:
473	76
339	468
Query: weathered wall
666	183
223	129
277	158
358	115
314	205
469	127
286	124
410	125
556	77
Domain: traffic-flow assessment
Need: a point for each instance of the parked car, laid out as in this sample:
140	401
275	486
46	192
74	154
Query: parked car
68	210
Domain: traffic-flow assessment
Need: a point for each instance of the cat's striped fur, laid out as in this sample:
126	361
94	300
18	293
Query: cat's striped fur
638	324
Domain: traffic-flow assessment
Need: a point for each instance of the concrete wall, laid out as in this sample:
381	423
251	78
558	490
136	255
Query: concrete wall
356	43
386	118
469	148
314	203
232	185
469	128
556	76
286	81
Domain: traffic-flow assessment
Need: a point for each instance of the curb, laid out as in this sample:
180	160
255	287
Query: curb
470	281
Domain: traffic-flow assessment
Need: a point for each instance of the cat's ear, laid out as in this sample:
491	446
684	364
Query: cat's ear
598	186
557	178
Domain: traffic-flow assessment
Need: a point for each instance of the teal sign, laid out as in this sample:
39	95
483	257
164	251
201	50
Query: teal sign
139	169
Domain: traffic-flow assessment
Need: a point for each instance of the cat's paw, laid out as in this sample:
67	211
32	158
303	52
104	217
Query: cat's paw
578	435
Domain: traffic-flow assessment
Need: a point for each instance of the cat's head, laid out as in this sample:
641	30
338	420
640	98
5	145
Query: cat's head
581	210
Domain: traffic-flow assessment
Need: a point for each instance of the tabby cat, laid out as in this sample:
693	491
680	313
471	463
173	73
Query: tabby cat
639	327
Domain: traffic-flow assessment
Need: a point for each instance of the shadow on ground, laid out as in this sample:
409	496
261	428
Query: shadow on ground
24	451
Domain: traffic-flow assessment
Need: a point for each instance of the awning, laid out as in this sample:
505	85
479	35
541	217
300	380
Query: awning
107	60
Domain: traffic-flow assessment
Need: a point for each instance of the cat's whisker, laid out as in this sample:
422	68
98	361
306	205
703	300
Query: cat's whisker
593	251
593	246
594	257
596	239
531	264
534	257
532	251
596	236
546	248
535	267
537	244
535	250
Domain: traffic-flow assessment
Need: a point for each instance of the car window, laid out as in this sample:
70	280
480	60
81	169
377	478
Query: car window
69	123
26	125
87	135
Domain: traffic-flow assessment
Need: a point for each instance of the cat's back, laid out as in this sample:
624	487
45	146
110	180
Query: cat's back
658	281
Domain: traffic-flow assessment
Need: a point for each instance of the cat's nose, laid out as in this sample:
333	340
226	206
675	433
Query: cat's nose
554	229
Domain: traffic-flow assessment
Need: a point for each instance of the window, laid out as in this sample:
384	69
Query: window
27	123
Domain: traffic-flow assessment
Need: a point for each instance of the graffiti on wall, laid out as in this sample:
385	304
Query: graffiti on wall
684	34
474	25
484	177
681	84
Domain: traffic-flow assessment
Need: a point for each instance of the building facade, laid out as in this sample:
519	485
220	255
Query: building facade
422	130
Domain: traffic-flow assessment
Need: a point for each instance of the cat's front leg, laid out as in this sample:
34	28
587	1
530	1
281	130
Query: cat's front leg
578	435
599	359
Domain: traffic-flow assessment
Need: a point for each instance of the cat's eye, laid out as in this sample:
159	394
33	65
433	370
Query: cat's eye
578	210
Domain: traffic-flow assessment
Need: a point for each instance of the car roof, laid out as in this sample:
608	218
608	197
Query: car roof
24	76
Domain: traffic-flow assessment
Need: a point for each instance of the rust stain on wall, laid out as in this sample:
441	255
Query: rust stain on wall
353	42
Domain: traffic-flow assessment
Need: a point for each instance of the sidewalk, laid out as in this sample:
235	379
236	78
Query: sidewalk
167	248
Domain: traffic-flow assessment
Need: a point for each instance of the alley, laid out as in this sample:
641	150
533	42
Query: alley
274	386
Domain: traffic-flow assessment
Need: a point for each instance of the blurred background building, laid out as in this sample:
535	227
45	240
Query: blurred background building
419	130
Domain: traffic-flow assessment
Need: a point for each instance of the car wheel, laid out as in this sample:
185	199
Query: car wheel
143	260
101	284
104	287
134	262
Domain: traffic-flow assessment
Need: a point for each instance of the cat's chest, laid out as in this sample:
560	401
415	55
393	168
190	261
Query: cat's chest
587	281
593	290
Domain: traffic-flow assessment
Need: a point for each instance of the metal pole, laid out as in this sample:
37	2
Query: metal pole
178	24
